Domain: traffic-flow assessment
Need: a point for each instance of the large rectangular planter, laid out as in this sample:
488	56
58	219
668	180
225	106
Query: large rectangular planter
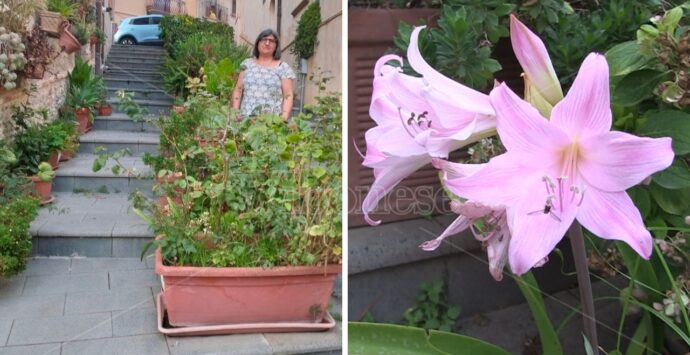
197	296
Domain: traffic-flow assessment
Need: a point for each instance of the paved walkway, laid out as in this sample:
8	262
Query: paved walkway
106	306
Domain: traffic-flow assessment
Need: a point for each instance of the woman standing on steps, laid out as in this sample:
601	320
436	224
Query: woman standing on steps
265	82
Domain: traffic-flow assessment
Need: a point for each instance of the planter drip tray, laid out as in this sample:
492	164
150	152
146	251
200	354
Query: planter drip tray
163	327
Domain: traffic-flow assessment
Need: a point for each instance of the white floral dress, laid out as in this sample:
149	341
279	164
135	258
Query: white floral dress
262	87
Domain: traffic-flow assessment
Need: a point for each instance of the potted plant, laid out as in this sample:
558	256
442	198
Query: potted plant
57	11
307	30
80	32
104	108
68	42
178	104
82	99
43	182
97	36
257	236
38	53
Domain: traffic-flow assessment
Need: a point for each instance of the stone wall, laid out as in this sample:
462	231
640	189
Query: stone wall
48	92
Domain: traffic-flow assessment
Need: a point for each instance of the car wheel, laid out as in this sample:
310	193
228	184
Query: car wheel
127	41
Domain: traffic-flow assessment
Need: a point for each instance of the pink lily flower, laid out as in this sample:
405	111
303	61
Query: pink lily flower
542	88
571	167
417	120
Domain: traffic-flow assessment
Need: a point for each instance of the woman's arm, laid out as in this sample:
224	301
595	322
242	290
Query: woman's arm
237	92
286	85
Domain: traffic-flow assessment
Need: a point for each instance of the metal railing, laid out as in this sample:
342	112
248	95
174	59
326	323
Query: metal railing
166	7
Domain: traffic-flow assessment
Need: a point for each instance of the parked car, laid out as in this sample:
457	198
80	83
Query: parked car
139	30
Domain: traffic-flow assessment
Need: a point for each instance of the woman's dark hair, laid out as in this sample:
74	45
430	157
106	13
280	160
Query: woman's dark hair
265	33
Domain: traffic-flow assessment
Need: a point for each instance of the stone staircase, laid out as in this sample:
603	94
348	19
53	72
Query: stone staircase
91	215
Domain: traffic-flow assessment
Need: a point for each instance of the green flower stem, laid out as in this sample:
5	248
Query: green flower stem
577	243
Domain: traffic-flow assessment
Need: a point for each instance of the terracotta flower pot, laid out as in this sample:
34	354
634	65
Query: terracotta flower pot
42	188
105	110
178	109
54	160
66	155
34	71
83	119
50	22
93	40
214	296
68	42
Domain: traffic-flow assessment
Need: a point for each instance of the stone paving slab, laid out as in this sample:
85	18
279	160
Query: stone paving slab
47	266
87	265
31	306
140	344
61	284
105	301
121	136
82	166
92	247
242	344
12	287
299	343
135	321
44	349
58	329
133	278
5	326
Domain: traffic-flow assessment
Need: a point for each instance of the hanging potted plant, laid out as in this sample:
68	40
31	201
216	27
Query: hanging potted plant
97	36
178	104
257	236
12	58
57	11
68	42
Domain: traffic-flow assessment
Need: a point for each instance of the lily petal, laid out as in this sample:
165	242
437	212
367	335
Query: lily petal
600	208
585	110
534	234
484	186
523	130
388	174
616	161
467	98
534	59
459	224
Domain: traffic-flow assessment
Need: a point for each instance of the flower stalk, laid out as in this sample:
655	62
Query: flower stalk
577	242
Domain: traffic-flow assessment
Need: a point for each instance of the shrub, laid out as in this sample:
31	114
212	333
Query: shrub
307	29
15	240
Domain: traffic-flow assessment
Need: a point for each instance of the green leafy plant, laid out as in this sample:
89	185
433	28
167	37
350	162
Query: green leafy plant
431	310
16	216
81	32
45	172
180	27
307	30
461	46
66	8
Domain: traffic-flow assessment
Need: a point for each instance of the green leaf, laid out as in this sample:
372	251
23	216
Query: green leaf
640	196
547	333
98	163
369	338
669	123
670	20
671	201
637	86
453	312
116	169
625	58
676	176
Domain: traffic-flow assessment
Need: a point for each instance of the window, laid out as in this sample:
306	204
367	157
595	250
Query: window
234	8
155	20
140	21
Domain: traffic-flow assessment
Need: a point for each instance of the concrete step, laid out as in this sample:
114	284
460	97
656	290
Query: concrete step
121	49
136	56
145	94
134	66
76	175
129	83
154	107
133	72
89	224
122	122
138	143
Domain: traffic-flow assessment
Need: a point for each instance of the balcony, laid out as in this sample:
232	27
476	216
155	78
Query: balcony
166	7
